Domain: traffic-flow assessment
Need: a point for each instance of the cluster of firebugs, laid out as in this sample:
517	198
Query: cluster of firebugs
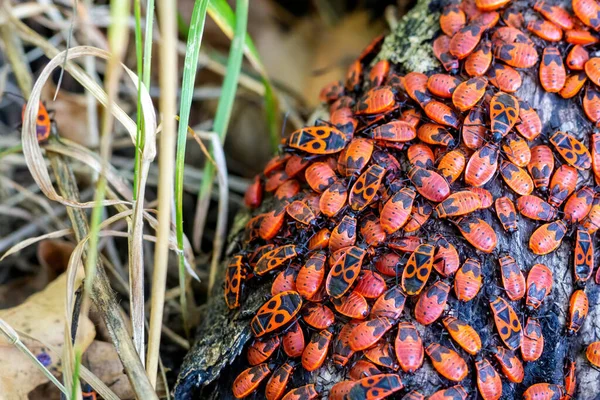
397	151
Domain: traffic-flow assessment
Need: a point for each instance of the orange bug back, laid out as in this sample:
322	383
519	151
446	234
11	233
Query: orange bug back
577	58
512	277
465	40
376	387
578	311
579	205
43	123
535	208
570	378
429	184
507	214
409	347
533	340
541	166
562	185
463	334
278	381
547	238
539	285
511	366
456	392
367	333
342	352
417	269
362	369
442	85
592	353
488	380
249	380
557	14
478	62
261	350
276	313
482	165
548	391
452	19
516	150
390	304
516	178
431	303
477	232
441	50
365	188
473	129
505	78
518	55
545	30
376	101
447	362
572	150
306	392
379	73
468	280
452	165
468	93
530	126
318	140
344	272
315	351
396	210
504	112
507	323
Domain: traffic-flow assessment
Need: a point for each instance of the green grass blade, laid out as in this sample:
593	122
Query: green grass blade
190	67
148	44
139	55
222	117
222	14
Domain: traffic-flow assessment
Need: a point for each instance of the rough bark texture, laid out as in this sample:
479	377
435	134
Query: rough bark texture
214	362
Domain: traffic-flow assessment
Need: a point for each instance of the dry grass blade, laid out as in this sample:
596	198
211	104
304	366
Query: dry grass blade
28	242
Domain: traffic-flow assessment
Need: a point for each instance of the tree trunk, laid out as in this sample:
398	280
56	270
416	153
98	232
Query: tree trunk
214	361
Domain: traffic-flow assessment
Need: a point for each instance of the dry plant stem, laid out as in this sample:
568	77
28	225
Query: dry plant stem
14	52
101	293
168	75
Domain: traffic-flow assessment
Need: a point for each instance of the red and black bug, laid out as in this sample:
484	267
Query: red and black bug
318	140
562	185
463	334
447	362
572	150
541	391
539	285
315	351
456	392
535	208
547	237
488	380
417	269
482	165
507	214
511	366
278	381
578	311
249	380
541	166
408	347
533	340
507	323
344	272
431	303
504	112
477	232
468	280
276	313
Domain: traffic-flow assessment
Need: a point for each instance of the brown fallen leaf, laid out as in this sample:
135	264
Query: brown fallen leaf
42	317
102	360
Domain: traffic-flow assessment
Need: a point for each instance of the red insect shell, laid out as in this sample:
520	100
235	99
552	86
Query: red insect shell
293	341
516	178
333	199
341	345
368	333
518	55
429	184
473	129
376	387
552	70
300	212
482	165
490	5
541	166
419	216
513	18
412	116
344	234
557	14
371	230
362	369
447	362
468	280
43	123
459	203
275	181
533	340
377	100
287	190
387	263
416	87
463	334
452	165
318	316
370	285
488	380
577	58
260	350
417	269
507	214
365	188
508	34
442	85
505	78
467	94
562	185
315	351
511	366
578	311
233	281
530	126
254	194
507	322
340	390
306	392
446	260
431	303
382	355
285	280
593	353
516	150
543	391
395	131
331	92
390	304
592	222
487	20
247	381
409	347
441	113
504	112
478	233
456	392
512	278
396	210
276	312
479	61
452	19
581	37
547	237
344	271
278	381
465	40
587	11
595	154
318	140
320	176
573	85
591	104
343	119
484	195
539	285
275	258
441	50
579	205
545	30
572	150
535	208
354	76
354	305
420	155
379	73
570	379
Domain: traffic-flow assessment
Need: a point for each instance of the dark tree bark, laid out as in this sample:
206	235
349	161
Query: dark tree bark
214	361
